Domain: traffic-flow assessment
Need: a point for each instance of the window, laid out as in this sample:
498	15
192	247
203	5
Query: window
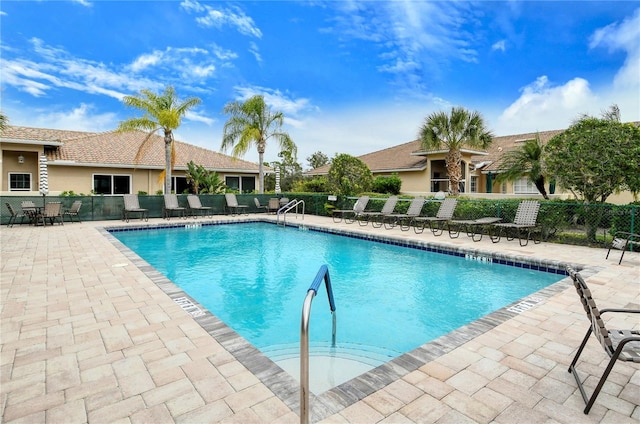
241	184
19	182
233	183
524	186
180	185
248	184
111	184
474	184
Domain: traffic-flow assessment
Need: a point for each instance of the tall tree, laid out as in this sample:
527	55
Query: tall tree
527	160
453	132
162	112
252	121
317	160
594	158
4	121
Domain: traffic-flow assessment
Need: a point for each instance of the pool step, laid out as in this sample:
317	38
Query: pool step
369	355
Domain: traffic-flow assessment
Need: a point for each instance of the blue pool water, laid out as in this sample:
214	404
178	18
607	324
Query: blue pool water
254	277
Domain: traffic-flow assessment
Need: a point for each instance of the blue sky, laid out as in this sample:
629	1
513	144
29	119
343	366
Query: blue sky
350	76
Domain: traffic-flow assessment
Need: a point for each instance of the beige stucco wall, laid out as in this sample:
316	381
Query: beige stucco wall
9	163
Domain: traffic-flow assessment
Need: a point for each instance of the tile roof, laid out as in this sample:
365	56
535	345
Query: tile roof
400	158
114	148
500	145
396	158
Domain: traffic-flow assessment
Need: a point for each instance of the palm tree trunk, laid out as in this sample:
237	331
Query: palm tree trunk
260	173
261	148
168	139
452	162
539	183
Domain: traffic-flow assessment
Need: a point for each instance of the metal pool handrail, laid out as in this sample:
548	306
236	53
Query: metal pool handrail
323	274
288	207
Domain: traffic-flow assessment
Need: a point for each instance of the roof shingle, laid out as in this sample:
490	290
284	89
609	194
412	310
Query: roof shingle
121	148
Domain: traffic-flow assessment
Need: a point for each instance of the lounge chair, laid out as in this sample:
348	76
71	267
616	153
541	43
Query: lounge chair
15	215
233	207
525	220
196	206
172	206
377	218
404	219
260	207
350	215
74	210
132	205
473	227
436	223
52	212
619	345
623	240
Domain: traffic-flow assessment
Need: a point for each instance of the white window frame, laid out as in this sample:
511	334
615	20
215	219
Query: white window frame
473	185
21	189
524	186
93	187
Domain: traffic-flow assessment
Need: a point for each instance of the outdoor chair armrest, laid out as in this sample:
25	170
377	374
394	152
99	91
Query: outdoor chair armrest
628	311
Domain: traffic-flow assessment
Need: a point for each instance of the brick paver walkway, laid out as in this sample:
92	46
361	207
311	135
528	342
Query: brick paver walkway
88	336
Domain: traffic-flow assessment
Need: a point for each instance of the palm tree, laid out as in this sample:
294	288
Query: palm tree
252	122
527	161
161	112
453	132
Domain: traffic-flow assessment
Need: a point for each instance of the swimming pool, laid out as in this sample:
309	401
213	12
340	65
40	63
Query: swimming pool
390	299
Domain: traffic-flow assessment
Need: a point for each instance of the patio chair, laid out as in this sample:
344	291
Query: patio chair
377	218
52	212
525	220
196	206
619	345
350	215
623	240
404	219
473	227
132	205
15	215
74	210
172	206
232	204
260	207
436	223
273	205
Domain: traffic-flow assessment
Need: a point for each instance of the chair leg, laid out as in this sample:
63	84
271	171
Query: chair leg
436	229
415	227
495	238
573	370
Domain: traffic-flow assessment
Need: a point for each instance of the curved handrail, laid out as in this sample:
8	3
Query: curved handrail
323	274
288	207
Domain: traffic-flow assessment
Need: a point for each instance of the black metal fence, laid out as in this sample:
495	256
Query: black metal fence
569	222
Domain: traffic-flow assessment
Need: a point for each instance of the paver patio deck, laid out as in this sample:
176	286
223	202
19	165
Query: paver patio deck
88	335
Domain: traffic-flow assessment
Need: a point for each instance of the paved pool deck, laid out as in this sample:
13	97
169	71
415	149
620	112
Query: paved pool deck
90	333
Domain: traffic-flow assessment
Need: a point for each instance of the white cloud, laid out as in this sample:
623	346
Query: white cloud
623	36
499	45
276	100
146	60
80	118
414	38
83	3
220	17
544	104
255	51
